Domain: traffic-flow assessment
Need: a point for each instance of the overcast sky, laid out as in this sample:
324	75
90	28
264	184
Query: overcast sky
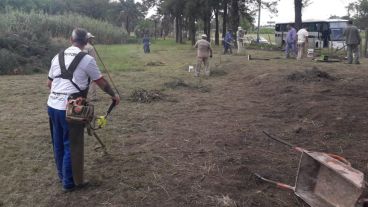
319	9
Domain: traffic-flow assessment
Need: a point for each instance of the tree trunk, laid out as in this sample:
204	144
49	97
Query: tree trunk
224	25
127	25
217	35
234	15
209	26
298	14
180	29
155	30
192	32
177	29
366	44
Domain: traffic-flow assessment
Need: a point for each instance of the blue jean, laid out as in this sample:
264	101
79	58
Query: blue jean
227	48
146	48
290	48
61	145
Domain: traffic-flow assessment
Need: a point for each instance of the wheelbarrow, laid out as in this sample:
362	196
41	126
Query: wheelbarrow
324	180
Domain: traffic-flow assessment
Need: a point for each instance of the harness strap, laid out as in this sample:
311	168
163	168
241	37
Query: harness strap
68	73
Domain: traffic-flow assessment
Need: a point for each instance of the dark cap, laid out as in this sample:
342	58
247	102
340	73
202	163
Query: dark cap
79	35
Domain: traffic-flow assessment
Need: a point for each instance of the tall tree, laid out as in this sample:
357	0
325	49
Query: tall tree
176	9
350	8
225	17
217	32
360	12
131	13
191	13
234	19
299	5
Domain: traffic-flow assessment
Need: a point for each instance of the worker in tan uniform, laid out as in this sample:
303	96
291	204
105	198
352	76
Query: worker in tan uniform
90	50
204	51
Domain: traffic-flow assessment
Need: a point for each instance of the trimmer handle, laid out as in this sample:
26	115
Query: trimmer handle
113	104
298	149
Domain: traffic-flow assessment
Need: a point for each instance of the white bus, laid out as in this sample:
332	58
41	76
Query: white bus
322	33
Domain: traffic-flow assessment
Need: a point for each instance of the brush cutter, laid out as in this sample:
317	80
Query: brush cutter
323	180
101	122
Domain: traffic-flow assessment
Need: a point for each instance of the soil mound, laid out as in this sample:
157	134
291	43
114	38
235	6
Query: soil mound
310	75
143	96
155	63
180	84
175	84
218	72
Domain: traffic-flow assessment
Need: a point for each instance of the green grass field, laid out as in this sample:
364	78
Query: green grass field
193	147
131	57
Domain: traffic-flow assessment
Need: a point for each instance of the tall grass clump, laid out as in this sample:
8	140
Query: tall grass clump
28	41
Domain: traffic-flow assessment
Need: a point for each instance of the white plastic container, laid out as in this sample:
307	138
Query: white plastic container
310	53
191	68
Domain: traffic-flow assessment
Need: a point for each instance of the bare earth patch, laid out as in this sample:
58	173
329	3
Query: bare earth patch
199	151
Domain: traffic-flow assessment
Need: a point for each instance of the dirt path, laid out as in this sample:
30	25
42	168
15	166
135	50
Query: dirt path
200	148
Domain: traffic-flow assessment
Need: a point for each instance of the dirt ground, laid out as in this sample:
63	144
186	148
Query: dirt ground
194	147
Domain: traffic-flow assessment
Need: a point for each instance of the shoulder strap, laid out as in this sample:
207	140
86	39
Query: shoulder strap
68	74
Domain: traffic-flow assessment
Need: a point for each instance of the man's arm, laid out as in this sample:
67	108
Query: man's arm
359	37
105	86
49	82
306	37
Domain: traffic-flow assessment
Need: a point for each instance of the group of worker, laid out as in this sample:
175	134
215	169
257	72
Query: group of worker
74	72
204	50
228	41
297	42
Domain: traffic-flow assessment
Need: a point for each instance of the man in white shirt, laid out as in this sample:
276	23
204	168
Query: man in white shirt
240	37
302	42
67	137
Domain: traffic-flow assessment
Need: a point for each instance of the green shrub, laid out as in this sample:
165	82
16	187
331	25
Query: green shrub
30	40
40	26
8	61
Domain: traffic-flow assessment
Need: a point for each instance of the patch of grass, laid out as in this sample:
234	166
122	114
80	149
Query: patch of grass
130	57
121	57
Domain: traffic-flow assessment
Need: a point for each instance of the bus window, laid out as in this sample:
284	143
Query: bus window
278	28
338	24
337	34
283	28
337	30
317	27
325	27
311	26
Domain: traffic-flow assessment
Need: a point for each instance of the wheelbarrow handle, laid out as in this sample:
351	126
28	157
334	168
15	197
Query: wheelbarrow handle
278	184
284	142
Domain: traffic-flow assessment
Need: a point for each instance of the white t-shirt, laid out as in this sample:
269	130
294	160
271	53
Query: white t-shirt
61	89
302	35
